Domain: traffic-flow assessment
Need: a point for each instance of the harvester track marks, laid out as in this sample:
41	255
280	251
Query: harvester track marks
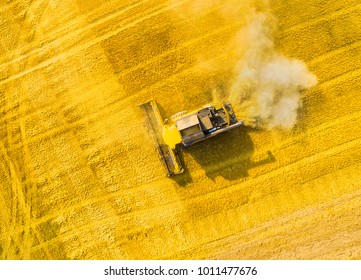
330	16
54	33
109	220
75	30
181	46
182	72
19	213
140	209
57	39
334	52
50	106
31	22
260	180
230	246
89	44
88	118
112	107
340	79
76	49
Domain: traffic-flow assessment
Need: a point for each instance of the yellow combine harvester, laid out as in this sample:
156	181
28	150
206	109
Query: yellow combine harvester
186	129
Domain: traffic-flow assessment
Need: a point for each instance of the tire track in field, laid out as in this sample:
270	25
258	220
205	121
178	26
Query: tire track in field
100	38
330	16
34	17
100	20
27	164
104	198
146	63
29	173
345	201
238	213
225	247
334	52
106	109
153	59
95	115
144	218
19	207
6	211
14	201
58	39
181	46
60	31
27	242
339	121
345	48
77	48
158	210
109	34
48	62
341	78
52	38
31	22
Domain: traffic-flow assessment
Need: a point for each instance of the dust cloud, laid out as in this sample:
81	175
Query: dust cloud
266	87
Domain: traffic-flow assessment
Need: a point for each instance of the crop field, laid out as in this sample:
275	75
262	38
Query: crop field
80	177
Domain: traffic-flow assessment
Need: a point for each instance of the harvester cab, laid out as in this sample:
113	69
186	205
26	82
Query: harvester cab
186	129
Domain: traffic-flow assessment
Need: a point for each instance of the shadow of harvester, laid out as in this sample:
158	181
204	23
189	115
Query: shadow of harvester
228	155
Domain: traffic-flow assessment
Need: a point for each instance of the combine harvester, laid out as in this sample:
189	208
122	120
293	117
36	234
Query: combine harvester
185	129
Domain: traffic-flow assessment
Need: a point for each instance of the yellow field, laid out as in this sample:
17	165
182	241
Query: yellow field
80	177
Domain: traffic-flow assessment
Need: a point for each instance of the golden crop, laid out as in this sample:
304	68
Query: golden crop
79	174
